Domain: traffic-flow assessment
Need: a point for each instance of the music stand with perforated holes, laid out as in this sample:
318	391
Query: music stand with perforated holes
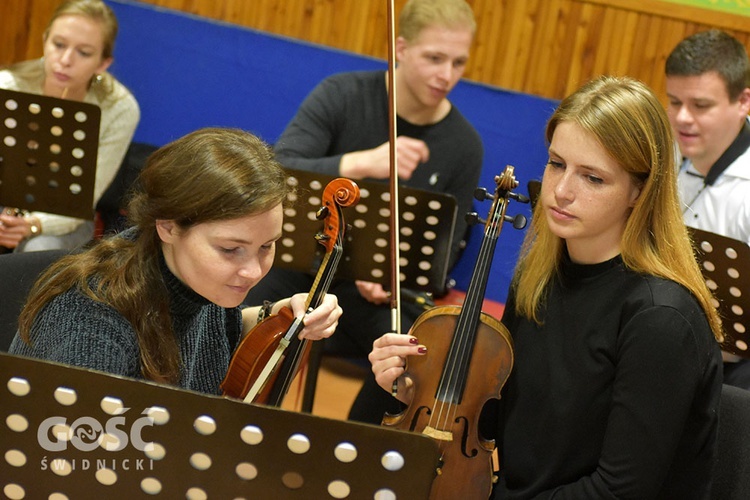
74	433
725	263
427	221
48	150
426	226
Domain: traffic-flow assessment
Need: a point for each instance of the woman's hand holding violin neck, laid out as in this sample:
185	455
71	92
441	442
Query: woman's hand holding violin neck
321	322
388	360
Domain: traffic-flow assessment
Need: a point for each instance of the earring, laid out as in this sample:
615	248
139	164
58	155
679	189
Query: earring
98	78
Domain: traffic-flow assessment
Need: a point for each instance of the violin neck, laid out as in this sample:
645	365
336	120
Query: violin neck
453	378
324	277
298	350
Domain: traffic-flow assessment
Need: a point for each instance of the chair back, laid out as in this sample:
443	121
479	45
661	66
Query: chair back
18	272
731	478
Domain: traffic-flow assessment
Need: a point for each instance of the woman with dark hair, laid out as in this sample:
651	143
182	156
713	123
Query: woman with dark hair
160	301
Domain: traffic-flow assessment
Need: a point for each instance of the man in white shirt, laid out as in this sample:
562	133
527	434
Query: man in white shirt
708	87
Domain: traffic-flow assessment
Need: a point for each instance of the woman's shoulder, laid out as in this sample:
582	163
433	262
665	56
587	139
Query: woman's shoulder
110	93
664	297
120	91
77	329
76	311
7	79
25	76
666	292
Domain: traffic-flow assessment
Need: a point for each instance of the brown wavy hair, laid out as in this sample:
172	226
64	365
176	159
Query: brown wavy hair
212	174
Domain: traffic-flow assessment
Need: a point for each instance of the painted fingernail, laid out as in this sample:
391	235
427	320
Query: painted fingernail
413	341
422	350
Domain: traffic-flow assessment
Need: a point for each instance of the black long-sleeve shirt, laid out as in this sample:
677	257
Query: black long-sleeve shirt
349	112
616	395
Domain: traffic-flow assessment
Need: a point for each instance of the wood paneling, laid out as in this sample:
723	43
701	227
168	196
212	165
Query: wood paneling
23	23
542	47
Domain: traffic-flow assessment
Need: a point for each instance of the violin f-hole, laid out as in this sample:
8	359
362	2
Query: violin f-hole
417	414
464	422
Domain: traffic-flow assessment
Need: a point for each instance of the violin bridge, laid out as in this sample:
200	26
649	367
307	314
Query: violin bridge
436	434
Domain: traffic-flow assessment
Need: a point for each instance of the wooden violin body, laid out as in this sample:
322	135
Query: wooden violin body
469	358
244	370
465	453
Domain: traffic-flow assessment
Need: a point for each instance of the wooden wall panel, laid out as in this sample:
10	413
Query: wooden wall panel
21	27
542	47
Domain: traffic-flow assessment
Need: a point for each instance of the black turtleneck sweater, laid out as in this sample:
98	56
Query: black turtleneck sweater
614	396
77	330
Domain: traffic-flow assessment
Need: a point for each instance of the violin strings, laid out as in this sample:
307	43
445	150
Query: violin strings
471	311
447	409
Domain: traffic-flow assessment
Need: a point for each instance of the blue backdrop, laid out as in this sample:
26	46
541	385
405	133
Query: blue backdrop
189	72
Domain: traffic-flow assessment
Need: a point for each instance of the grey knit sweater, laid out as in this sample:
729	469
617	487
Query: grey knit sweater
77	330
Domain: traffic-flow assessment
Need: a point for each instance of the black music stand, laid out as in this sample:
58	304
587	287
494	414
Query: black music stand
78	433
48	152
427	221
725	263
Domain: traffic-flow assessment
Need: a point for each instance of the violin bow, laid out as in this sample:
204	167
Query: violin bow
394	209
392	134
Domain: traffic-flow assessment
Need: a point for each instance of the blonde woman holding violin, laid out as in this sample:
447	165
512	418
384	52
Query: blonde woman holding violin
78	49
160	301
615	388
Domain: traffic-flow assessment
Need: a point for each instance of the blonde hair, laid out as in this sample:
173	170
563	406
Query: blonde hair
420	14
101	13
96	10
630	123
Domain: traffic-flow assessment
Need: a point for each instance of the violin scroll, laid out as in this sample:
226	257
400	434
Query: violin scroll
505	182
340	192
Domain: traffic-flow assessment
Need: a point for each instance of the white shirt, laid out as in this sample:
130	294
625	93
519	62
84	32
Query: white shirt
724	207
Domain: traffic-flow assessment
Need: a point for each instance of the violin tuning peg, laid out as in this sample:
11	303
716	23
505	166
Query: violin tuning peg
473	218
519	197
519	221
481	194
322	213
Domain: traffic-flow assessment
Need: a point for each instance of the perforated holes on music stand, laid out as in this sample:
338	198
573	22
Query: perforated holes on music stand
74	433
48	151
725	263
427	221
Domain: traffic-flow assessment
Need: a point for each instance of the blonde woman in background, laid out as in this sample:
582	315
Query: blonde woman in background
78	47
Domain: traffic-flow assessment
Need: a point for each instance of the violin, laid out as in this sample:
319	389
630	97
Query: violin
472	353
269	357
